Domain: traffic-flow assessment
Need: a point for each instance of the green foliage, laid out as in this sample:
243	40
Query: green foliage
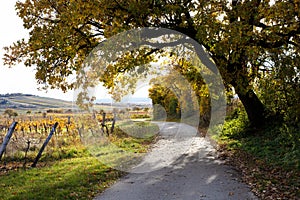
166	98
280	88
268	157
276	144
178	96
202	90
236	125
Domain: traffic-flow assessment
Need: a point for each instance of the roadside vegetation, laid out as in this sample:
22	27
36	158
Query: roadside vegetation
72	178
269	157
67	168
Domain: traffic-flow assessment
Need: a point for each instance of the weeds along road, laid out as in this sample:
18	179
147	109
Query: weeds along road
182	166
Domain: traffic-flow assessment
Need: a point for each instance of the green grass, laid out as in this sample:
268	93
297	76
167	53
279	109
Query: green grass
141	129
75	178
126	147
74	173
276	144
268	157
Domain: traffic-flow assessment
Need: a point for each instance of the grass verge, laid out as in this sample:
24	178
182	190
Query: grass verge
269	158
76	176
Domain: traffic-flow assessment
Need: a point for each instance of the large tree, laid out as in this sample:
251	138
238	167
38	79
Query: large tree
239	35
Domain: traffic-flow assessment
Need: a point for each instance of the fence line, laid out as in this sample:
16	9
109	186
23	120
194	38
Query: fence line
7	138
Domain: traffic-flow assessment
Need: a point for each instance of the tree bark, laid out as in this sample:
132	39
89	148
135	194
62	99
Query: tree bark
254	108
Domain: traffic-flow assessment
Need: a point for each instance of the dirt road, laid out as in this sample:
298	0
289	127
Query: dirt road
181	166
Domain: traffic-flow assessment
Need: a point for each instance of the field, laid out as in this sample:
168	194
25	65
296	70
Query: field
26	102
73	164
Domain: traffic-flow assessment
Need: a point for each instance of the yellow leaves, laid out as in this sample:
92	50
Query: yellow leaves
63	33
42	125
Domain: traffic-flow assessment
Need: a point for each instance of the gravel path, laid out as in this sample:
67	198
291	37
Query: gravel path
180	166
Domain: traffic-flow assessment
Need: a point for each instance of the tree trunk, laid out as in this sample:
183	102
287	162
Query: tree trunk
254	108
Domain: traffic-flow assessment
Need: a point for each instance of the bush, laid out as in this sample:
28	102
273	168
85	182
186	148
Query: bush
278	144
236	124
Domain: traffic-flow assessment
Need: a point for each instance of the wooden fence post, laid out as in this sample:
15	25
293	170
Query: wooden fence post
7	138
103	124
44	145
113	123
69	120
103	118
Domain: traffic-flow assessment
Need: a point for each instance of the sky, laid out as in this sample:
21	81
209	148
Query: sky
21	79
18	79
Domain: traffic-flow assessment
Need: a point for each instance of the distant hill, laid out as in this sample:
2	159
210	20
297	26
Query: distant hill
19	101
25	102
131	101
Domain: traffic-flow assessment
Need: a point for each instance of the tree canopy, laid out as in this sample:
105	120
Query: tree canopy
244	38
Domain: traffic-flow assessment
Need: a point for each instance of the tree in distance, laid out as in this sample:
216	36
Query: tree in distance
10	113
